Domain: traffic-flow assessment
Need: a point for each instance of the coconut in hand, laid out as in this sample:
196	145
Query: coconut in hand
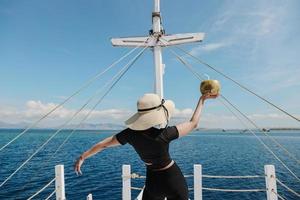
211	87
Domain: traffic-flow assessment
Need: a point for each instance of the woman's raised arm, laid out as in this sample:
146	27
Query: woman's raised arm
107	142
187	127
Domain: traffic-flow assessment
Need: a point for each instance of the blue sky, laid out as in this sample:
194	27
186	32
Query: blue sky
48	49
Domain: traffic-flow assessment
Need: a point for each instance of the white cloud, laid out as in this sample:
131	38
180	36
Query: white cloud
209	47
267	20
256	19
262	35
213	46
184	113
275	78
35	109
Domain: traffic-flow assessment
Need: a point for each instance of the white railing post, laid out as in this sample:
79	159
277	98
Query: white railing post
89	197
126	177
271	186
60	182
197	182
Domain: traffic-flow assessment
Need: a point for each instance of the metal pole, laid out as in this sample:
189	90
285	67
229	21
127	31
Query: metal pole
271	186
126	177
60	182
156	17
197	182
158	71
157	51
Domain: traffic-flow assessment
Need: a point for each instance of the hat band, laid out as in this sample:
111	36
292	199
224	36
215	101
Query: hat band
153	108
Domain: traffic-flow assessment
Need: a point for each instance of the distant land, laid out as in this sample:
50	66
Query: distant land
113	126
85	126
245	130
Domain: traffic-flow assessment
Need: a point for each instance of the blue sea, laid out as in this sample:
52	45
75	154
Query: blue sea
220	153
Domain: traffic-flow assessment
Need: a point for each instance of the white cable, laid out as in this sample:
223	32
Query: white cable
264	132
197	75
120	74
90	111
252	122
135	175
38	192
50	195
231	177
233	190
237	83
288	188
267	147
60	128
85	85
280	197
136	188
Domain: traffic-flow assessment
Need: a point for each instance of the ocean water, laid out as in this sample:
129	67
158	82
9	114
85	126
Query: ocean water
228	153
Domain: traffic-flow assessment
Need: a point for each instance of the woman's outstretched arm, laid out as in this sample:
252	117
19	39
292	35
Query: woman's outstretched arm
187	127
107	142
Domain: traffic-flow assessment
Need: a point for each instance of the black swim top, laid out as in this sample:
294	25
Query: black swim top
152	145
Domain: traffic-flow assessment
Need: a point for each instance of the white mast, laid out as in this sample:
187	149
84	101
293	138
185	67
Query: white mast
157	32
153	42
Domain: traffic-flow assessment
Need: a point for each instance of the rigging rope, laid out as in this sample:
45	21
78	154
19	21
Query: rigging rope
279	196
242	122
260	140
50	195
130	64
42	189
119	74
135	175
231	177
199	77
137	188
288	188
264	132
233	190
85	85
236	82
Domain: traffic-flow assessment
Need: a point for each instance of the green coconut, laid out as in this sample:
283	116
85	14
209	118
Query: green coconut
210	87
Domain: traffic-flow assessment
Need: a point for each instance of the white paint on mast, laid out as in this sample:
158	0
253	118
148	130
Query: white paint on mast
157	51
156	17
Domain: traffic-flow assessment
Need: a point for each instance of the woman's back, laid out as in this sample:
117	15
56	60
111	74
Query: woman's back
152	145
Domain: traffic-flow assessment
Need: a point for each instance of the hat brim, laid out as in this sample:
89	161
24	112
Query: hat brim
145	120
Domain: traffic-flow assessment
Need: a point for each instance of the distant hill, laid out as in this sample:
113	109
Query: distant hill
100	126
284	129
113	126
8	125
85	126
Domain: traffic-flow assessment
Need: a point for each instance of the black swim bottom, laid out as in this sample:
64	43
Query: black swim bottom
168	183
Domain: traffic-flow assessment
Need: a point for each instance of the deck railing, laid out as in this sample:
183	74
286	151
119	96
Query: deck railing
59	190
269	176
270	180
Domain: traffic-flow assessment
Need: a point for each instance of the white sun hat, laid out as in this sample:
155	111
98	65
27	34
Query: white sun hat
152	110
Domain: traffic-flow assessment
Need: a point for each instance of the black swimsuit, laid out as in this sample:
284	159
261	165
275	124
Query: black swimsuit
152	145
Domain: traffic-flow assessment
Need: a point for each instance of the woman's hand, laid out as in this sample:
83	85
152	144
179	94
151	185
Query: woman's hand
78	164
107	142
209	96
